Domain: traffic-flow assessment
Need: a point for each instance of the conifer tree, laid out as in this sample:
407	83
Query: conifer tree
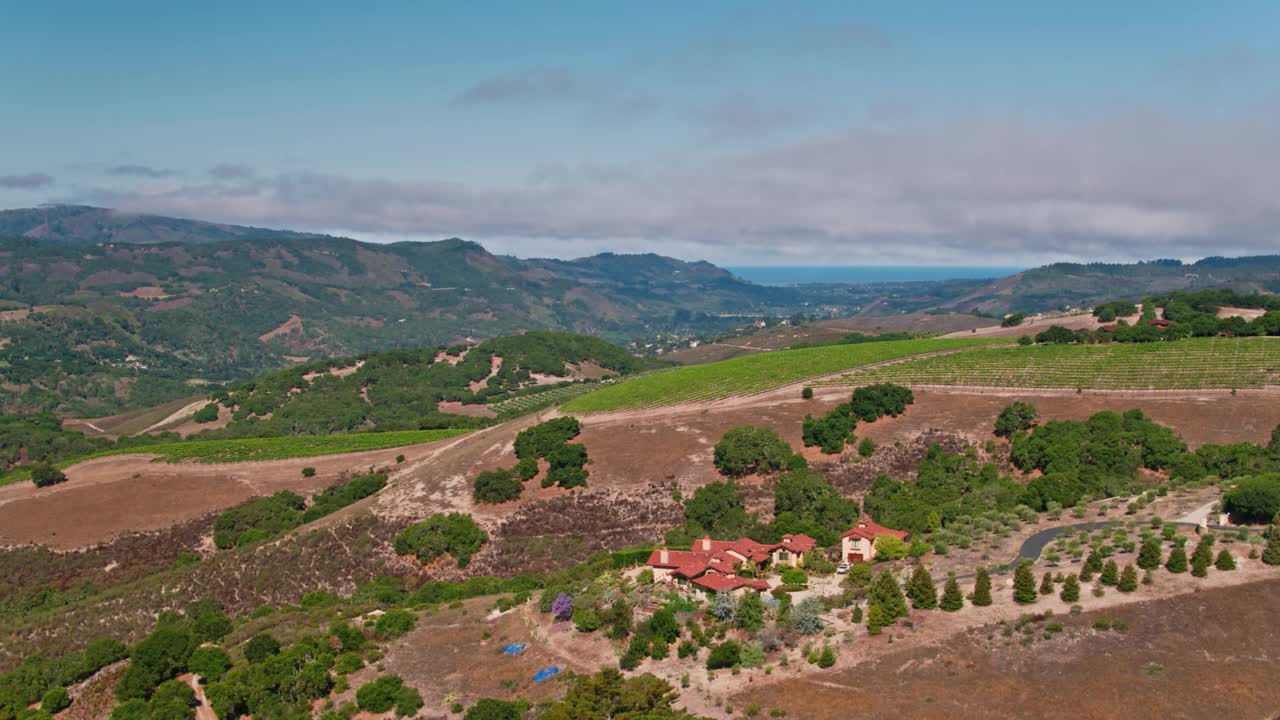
1199	565
1271	554
1225	560
875	618
1046	585
1203	552
1024	585
1070	589
888	594
1110	573
1149	556
952	598
981	596
1177	562
1094	562
924	596
1128	579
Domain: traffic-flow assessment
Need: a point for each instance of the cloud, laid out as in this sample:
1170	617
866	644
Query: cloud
230	171
981	190
742	115
142	171
559	86
28	181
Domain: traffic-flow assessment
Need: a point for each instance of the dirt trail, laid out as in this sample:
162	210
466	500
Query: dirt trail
181	414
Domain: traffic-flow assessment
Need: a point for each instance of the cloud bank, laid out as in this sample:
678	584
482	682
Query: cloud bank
987	190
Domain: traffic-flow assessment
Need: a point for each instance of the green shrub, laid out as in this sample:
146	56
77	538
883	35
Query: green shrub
44	475
308	471
55	701
744	450
497	486
260	647
206	414
455	534
210	663
725	655
394	623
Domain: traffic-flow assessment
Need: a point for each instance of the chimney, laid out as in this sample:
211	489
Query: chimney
706	544
664	556
786	539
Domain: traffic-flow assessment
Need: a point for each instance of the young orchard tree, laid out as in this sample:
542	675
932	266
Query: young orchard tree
1128	579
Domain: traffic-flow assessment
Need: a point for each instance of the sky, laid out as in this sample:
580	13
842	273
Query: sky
745	133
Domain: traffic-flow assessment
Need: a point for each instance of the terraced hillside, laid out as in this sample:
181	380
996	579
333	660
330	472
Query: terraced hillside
1198	363
754	373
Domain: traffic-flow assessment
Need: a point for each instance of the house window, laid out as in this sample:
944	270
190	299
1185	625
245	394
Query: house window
783	556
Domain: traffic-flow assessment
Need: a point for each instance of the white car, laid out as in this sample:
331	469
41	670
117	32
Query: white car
843	569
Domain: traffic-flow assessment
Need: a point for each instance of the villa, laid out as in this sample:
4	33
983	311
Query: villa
715	566
858	543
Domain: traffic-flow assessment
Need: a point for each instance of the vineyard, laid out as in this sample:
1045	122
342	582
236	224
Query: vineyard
278	448
754	373
1198	363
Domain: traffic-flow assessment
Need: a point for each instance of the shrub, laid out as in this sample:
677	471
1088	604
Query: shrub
394	623
55	700
889	547
867	447
562	607
455	534
1070	589
1016	417
750	612
827	658
981	596
527	469
258	520
794	576
497	486
725	655
206	414
210	663
807	393
538	441
260	647
380	695
491	709
1024	585
1177	562
745	450
1128	579
44	475
586	619
1255	499
308	472
347	663
1225	560
952	598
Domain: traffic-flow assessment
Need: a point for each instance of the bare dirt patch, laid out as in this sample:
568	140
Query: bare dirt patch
335	372
454	407
294	323
147	292
107	497
1246	313
170	304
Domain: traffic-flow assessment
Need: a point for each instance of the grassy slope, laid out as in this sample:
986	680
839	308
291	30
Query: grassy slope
274	448
753	373
1186	364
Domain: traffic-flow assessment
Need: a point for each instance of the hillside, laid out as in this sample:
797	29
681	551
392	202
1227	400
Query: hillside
1063	285
87	225
82	324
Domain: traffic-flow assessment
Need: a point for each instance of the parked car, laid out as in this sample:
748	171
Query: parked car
843	569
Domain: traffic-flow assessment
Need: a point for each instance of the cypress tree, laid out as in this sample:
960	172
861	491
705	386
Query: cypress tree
1271	555
924	596
952	598
1046	585
1070	589
888	594
1225	561
1177	562
1128	579
1203	552
1024	585
875	618
1093	563
981	589
1199	566
1149	556
1110	573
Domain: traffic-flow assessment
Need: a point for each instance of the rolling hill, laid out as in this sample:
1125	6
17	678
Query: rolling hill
1063	285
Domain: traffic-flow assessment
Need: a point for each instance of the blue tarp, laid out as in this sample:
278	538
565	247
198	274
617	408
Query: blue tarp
513	648
546	673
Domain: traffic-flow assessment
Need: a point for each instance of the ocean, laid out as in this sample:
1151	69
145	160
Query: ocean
799	274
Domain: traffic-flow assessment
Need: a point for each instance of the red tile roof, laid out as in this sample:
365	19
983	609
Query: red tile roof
799	543
715	582
868	530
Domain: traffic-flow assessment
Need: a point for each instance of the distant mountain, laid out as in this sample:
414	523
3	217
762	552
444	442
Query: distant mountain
1062	285
88	225
82	325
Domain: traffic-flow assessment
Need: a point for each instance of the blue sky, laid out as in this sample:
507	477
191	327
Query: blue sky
797	133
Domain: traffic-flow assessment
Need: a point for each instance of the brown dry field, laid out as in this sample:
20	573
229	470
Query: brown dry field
631	452
109	497
1204	654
